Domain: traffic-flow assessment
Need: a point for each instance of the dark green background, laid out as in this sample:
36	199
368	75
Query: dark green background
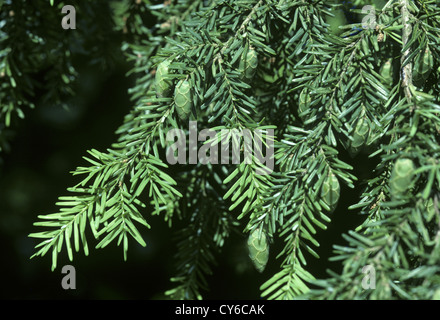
49	143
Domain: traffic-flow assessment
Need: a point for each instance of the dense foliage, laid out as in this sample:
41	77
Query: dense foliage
330	97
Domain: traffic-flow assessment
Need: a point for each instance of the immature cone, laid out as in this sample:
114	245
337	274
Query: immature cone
401	177
386	71
360	135
258	249
423	64
163	85
330	191
182	99
248	64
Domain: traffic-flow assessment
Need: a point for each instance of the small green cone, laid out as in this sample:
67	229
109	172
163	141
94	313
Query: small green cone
183	99
330	191
386	71
423	64
248	64
258	249
401	177
360	135
163	85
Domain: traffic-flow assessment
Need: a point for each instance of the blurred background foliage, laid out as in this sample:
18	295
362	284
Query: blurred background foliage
48	144
34	170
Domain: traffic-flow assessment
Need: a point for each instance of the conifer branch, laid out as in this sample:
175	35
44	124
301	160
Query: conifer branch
334	103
